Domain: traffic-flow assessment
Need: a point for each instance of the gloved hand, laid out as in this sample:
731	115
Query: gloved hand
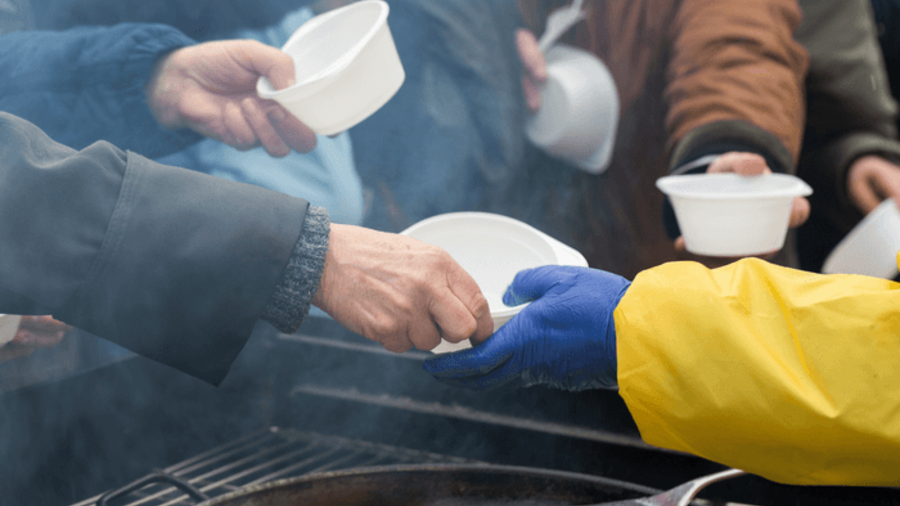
566	338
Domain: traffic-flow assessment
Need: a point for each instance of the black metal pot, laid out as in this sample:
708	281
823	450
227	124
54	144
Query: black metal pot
419	485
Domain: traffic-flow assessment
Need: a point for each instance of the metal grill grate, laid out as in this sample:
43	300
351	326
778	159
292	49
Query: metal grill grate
268	455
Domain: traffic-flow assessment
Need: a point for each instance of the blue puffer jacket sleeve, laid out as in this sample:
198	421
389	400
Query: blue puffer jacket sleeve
87	84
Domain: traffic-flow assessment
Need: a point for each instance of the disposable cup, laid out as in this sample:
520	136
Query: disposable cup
346	67
579	110
871	247
492	248
728	215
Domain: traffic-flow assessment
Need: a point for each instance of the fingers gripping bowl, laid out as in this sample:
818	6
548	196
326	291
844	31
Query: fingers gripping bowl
492	248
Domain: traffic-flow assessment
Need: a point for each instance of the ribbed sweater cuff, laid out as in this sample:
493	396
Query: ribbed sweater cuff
290	302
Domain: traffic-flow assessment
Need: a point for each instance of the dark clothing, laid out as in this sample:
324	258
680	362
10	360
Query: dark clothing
851	113
199	19
174	265
87	84
887	19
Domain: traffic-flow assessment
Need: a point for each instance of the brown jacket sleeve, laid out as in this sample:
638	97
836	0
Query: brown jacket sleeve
735	73
735	79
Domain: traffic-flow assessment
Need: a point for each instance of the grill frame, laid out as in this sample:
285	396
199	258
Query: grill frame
282	453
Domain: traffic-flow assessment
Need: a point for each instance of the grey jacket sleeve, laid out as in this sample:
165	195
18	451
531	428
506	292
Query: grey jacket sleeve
172	264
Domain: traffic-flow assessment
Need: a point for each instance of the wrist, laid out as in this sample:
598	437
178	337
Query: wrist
163	92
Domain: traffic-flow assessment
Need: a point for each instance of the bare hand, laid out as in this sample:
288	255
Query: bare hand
399	291
34	332
872	179
211	88
744	164
535	68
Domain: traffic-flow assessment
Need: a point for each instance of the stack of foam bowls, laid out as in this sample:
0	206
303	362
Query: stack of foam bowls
346	68
871	247
728	215
579	110
492	248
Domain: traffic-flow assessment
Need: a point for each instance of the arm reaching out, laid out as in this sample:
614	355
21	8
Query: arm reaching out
211	88
784	373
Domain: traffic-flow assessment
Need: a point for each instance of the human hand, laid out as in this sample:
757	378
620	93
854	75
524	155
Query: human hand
566	338
872	179
399	291
744	164
211	88
34	332
535	68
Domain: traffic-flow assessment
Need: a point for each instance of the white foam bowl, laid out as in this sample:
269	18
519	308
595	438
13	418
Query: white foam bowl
871	247
579	110
346	68
492	248
727	215
9	326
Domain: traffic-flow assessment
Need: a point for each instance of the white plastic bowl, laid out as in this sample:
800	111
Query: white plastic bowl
346	67
871	247
9	326
727	215
492	248
579	110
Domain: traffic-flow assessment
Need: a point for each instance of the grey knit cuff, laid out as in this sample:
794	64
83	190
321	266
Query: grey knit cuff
290	302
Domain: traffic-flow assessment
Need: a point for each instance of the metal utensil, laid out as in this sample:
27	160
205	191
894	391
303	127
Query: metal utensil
559	22
681	495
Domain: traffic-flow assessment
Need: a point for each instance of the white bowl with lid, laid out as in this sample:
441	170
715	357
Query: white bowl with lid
346	67
729	215
492	248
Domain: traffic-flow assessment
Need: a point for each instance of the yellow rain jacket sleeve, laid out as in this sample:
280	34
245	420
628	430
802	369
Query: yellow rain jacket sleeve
786	374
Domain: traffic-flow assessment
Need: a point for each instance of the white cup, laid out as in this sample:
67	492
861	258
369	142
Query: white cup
579	110
871	247
492	248
727	215
346	67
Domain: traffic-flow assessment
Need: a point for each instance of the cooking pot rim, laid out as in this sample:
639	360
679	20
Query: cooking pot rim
417	468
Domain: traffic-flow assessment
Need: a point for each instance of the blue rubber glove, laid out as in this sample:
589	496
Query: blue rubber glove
566	338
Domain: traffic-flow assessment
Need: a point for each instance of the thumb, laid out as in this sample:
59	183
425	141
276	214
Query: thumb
800	210
531	284
268	61
532	58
